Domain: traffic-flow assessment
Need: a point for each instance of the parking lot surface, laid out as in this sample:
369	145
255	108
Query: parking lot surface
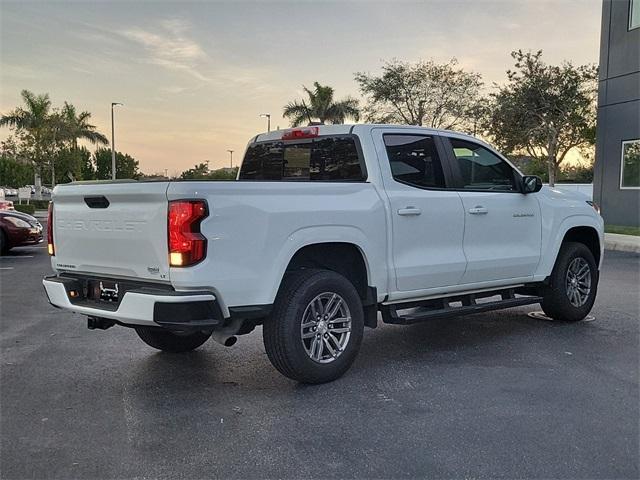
493	395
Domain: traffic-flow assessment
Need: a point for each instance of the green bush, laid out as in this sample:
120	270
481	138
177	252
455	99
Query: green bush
30	209
623	230
40	204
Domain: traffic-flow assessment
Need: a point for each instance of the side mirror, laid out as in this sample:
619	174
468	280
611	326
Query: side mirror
531	184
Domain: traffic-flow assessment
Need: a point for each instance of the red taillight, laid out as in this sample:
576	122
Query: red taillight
187	246
50	247
297	133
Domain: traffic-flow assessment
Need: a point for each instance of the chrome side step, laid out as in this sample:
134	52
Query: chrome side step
415	312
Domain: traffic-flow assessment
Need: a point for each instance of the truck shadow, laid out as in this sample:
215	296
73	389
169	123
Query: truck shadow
493	338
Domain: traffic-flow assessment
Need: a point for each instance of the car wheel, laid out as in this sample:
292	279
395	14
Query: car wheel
4	243
573	284
173	342
315	329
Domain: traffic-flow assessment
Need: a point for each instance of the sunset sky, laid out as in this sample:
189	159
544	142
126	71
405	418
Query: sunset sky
194	76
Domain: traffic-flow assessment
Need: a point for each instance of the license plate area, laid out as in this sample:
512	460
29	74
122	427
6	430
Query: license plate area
103	291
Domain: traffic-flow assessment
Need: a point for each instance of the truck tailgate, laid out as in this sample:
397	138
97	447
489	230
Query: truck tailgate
115	229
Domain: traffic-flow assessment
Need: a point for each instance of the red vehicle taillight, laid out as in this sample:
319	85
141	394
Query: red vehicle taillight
187	246
50	247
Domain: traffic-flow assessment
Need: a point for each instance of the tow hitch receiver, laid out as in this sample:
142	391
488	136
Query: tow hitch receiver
94	323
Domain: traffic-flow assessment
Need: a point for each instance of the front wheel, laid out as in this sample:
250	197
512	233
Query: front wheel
573	284
171	342
315	329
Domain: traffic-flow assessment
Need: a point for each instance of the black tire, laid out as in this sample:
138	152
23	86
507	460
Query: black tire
556	302
282	331
171	342
4	244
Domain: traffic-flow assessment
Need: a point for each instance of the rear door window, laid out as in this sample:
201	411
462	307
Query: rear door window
414	160
320	159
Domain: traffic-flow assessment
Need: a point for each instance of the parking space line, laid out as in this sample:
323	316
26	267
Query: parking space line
21	256
6	268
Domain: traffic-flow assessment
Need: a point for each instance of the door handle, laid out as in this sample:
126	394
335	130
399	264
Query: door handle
409	211
478	210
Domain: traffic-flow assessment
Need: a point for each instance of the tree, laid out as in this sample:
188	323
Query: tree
73	164
202	172
126	165
199	171
321	107
87	168
223	174
45	135
76	127
544	110
423	93
34	126
14	173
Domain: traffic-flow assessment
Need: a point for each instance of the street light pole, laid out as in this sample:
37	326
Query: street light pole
268	117
231	153
113	141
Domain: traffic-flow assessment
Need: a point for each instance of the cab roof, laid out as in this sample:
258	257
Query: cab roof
358	128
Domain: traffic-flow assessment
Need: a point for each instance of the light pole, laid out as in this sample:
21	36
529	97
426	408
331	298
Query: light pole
268	117
113	146
231	153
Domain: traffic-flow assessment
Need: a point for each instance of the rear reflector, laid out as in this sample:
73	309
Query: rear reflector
50	247
187	246
298	133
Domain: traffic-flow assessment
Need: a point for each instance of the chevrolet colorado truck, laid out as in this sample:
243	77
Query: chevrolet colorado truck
326	230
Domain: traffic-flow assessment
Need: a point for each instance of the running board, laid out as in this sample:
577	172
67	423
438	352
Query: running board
442	307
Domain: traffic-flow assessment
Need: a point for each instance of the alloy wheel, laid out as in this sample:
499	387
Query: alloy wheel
578	282
326	327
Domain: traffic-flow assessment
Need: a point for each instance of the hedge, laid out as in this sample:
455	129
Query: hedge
30	209
40	204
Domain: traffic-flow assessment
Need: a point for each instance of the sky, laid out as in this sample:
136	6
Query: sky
195	76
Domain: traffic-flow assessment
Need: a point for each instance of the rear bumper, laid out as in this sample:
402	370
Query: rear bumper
143	306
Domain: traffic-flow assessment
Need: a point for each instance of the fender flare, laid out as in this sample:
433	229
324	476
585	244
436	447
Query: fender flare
319	234
579	220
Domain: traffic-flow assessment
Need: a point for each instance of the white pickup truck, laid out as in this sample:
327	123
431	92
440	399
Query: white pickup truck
326	230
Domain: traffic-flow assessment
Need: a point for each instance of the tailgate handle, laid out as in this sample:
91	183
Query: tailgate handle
96	202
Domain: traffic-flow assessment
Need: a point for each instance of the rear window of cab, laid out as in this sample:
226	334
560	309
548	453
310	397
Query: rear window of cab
330	158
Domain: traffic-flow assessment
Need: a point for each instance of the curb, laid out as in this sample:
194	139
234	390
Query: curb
621	243
41	214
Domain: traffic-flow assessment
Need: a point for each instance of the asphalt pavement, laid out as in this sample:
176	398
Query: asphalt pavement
493	395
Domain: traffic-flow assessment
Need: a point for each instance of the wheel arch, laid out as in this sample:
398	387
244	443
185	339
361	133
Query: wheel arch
586	235
346	258
584	229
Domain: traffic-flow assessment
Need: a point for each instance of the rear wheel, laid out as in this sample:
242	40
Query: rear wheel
315	329
573	284
171	342
4	244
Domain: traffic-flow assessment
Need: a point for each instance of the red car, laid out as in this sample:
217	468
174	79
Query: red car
18	229
6	204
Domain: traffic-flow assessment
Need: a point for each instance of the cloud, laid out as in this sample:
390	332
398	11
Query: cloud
20	72
174	89
170	47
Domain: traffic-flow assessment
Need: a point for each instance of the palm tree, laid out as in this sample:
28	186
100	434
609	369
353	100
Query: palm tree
34	118
77	127
321	107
